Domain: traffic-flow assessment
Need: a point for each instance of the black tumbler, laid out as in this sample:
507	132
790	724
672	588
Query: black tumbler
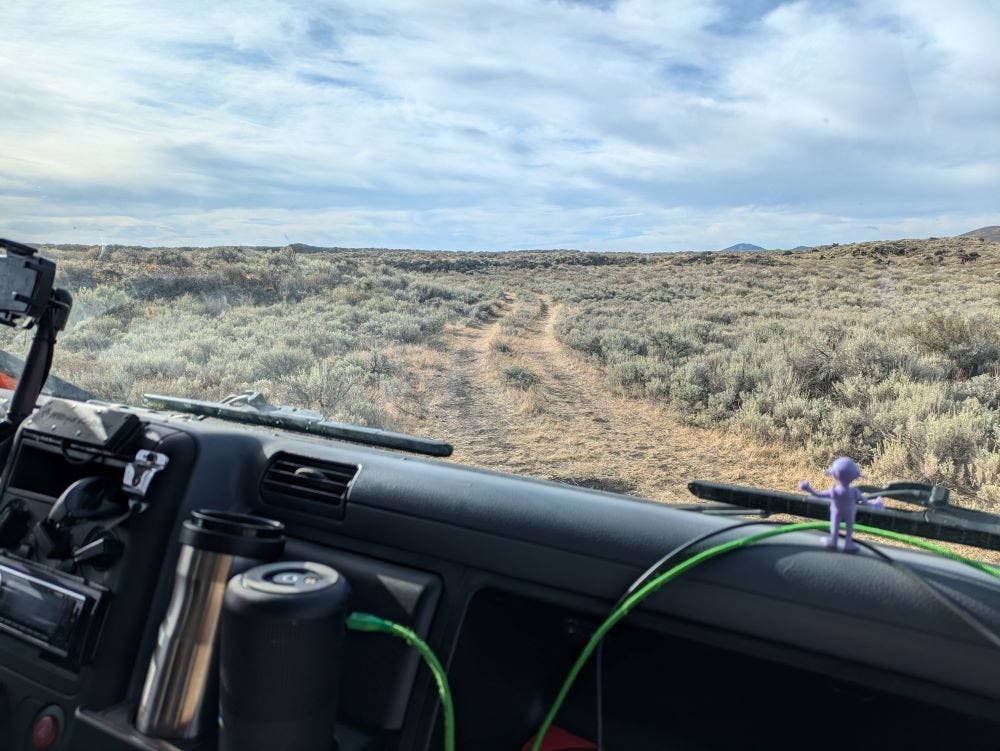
281	647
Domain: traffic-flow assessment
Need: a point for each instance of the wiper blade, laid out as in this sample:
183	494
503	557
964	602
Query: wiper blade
935	520
253	410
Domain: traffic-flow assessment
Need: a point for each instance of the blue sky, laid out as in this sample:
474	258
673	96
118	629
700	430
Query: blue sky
507	124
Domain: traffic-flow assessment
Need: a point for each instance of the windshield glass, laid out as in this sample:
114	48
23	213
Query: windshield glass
650	241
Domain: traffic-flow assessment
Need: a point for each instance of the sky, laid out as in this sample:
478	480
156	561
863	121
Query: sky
613	125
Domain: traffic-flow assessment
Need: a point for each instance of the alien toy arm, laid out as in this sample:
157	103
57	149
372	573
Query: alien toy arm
804	485
873	502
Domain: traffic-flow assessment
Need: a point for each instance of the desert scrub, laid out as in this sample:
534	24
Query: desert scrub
314	330
885	351
899	370
519	377
519	321
970	344
482	313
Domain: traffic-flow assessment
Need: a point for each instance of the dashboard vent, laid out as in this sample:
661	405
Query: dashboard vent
302	483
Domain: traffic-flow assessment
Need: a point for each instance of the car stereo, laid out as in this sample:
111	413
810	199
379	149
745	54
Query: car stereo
48	609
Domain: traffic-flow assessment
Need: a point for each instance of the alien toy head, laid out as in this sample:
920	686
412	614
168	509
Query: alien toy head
844	470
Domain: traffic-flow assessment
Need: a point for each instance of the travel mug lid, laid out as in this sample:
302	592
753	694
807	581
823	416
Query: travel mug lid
290	577
234	533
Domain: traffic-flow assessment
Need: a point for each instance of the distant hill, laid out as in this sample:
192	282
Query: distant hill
987	233
741	246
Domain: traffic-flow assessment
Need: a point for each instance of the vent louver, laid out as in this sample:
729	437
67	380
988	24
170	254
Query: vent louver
302	483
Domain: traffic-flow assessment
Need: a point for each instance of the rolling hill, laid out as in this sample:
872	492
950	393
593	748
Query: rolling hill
739	247
991	233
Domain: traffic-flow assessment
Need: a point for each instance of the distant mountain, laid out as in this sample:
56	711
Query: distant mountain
987	233
740	247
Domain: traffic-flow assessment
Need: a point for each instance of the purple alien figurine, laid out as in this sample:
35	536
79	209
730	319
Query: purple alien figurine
843	501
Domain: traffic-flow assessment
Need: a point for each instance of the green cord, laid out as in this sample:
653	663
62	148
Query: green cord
367	622
642	593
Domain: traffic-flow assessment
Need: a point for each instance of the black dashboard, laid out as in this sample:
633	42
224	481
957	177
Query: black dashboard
779	645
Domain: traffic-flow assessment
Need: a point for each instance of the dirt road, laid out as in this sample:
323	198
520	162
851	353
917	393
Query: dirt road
569	426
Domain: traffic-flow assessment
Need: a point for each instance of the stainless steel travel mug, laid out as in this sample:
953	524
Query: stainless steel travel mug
181	670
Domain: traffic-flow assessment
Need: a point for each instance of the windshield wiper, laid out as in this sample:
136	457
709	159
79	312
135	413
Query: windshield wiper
250	407
934	518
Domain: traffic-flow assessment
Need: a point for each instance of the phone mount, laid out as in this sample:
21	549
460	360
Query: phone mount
28	298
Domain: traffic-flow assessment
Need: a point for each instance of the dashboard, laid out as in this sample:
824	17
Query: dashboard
779	645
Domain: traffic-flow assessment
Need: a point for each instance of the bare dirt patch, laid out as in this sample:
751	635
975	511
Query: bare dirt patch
569	427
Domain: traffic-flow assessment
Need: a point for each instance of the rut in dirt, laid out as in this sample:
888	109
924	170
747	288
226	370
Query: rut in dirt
569	425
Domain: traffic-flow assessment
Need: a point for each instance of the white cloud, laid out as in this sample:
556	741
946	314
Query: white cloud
525	123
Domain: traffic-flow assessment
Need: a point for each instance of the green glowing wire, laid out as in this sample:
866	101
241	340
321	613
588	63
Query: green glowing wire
366	622
643	592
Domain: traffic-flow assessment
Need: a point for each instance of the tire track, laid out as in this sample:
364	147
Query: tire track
571	427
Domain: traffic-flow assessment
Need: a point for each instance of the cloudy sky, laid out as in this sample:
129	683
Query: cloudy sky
498	124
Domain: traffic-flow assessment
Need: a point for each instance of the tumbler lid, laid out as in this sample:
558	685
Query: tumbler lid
234	533
289	577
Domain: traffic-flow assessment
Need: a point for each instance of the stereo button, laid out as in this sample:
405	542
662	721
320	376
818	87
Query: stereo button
45	732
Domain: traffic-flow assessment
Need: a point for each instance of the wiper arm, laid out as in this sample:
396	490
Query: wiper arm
251	408
936	519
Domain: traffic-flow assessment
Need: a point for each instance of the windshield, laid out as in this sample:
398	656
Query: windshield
650	241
